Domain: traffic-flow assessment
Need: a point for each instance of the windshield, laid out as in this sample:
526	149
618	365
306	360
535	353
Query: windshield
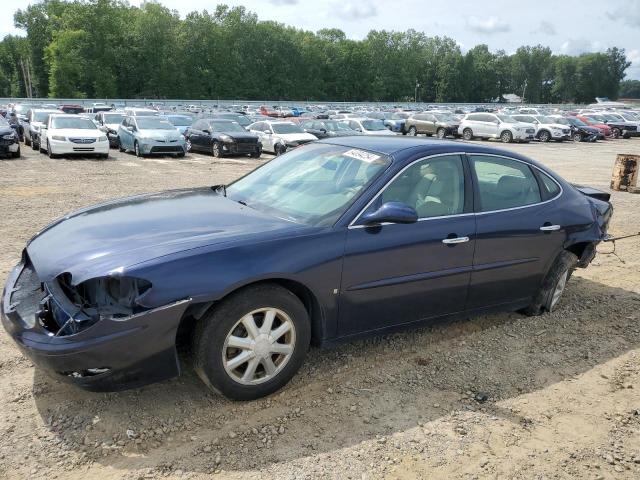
285	128
612	117
400	116
576	122
41	116
153	123
73	122
227	127
630	116
332	126
506	119
596	118
543	119
373	125
113	118
241	119
22	108
444	117
314	184
180	121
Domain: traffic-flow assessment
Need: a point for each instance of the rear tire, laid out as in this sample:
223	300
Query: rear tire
615	132
27	142
412	131
255	154
552	288
467	134
214	356
441	133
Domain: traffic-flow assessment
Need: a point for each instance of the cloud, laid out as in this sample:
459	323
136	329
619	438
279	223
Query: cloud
489	25
546	27
355	10
576	46
628	13
284	2
634	70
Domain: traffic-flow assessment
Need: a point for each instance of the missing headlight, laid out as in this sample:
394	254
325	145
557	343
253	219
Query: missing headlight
101	297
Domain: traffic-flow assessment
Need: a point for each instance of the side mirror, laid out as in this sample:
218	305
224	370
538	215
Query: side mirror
391	212
267	132
207	131
358	129
323	130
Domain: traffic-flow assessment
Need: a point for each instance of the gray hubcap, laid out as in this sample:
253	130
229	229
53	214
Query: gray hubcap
259	346
557	293
216	150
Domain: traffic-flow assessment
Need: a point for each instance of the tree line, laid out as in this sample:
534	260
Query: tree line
110	49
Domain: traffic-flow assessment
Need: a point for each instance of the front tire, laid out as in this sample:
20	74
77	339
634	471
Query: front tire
615	132
506	137
279	149
136	149
49	152
577	137
16	154
441	133
216	150
544	136
253	342
413	131
27	142
467	134
553	286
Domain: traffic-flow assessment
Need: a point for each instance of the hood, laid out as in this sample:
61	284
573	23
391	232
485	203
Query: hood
112	126
77	132
378	132
159	134
296	137
243	135
555	125
104	238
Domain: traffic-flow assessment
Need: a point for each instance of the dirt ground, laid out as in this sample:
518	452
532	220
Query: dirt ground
499	396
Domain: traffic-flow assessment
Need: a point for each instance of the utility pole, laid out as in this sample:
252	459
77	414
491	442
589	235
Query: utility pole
417	89
524	89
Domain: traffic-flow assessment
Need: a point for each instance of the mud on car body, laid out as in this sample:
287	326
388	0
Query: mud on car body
316	246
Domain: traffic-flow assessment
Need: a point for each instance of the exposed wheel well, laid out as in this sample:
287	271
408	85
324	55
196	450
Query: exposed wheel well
579	248
306	296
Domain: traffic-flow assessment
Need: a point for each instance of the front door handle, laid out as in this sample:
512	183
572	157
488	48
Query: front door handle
453	241
550	228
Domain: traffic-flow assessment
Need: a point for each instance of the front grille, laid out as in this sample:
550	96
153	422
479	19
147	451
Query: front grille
83	149
246	140
82	140
566	130
167	149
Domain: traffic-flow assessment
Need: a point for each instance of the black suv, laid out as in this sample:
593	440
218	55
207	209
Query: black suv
222	137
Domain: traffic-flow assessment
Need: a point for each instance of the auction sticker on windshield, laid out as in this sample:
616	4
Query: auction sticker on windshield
361	155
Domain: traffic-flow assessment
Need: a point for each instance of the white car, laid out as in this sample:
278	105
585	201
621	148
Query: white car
66	134
490	125
546	128
279	136
368	126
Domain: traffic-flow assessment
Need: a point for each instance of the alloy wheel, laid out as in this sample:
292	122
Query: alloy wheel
441	133
258	346
560	286
413	132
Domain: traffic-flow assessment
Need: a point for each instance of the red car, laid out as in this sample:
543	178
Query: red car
603	127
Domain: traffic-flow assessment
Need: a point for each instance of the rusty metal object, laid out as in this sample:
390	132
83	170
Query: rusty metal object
625	172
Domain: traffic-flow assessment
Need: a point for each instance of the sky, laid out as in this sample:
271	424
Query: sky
570	26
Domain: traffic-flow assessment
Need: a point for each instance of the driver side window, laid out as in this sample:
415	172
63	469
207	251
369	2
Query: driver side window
434	187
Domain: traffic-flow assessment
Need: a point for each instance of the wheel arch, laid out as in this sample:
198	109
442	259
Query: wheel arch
300	290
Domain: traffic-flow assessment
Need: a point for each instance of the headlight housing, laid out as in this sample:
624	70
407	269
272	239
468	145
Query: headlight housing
58	138
11	136
103	138
226	138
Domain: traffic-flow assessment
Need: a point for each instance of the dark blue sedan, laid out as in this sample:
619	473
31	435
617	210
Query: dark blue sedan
334	240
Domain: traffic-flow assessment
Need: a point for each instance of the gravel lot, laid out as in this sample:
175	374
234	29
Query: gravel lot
497	396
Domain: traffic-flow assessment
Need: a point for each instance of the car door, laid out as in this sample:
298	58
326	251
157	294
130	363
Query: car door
429	124
401	273
126	136
519	230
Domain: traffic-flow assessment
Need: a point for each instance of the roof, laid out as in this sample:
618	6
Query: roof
403	147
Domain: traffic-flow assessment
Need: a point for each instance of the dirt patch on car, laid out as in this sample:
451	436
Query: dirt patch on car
494	396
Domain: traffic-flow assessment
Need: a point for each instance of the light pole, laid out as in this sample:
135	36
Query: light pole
416	94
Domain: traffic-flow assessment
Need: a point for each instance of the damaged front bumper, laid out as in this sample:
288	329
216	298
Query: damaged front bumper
111	355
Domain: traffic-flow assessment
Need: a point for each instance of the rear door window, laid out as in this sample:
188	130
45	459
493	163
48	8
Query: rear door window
504	183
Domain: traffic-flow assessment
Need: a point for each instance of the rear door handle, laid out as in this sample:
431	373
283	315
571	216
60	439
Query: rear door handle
453	241
550	228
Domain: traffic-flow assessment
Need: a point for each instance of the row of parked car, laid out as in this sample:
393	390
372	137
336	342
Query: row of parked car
147	131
